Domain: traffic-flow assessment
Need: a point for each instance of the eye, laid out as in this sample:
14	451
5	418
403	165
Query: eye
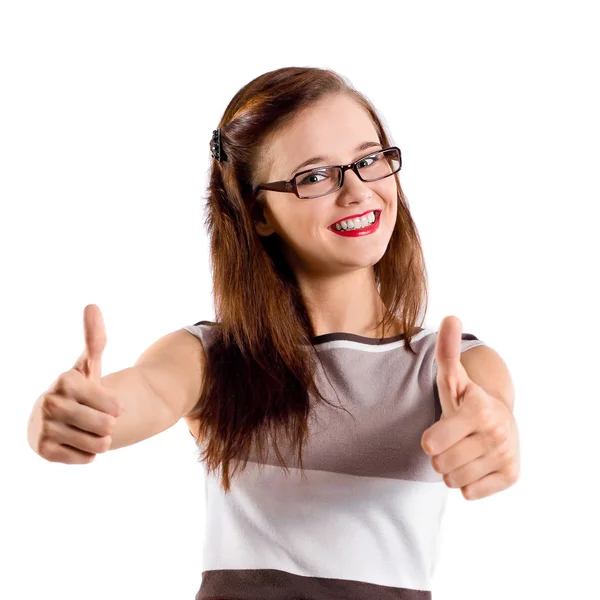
305	179
360	163
365	159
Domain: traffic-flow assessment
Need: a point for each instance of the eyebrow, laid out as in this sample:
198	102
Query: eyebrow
324	159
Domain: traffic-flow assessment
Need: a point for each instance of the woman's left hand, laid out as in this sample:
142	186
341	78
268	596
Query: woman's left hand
475	445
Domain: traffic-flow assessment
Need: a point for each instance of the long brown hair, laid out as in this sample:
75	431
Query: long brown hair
260	367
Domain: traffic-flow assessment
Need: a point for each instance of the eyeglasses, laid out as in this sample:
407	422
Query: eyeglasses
320	181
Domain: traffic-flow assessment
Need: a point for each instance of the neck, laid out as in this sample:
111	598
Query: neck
348	303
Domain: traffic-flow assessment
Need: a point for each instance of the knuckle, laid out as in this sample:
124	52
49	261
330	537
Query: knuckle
48	431
498	432
503	449
513	474
107	425
51	405
107	442
485	415
66	382
116	405
42	448
102	444
48	450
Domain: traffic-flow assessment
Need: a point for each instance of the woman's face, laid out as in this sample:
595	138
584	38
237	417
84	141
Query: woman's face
332	130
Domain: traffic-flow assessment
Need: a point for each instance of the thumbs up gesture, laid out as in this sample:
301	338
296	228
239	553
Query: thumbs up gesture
73	420
475	443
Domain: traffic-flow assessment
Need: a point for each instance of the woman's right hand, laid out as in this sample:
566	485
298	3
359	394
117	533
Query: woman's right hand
73	420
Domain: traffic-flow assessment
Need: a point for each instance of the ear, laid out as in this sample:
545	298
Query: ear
261	223
263	228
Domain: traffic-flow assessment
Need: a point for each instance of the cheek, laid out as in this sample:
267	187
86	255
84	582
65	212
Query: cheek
297	228
307	232
389	191
306	222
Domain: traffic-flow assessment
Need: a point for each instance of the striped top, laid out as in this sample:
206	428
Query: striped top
364	520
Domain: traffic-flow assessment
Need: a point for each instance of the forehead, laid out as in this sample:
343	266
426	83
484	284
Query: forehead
332	128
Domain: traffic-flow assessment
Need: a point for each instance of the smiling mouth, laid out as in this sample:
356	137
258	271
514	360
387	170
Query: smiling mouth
334	228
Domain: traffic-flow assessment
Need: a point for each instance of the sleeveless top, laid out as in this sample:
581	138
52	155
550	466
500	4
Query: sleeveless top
363	522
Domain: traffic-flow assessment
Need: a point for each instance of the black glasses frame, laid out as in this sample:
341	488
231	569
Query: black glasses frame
290	186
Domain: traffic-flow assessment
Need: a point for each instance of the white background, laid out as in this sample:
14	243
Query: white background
106	118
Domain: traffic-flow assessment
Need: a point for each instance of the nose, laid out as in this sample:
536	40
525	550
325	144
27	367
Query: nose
354	189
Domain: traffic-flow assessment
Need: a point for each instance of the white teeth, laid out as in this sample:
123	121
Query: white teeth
357	223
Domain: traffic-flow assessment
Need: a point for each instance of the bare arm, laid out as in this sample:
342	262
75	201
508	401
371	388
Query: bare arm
145	414
162	387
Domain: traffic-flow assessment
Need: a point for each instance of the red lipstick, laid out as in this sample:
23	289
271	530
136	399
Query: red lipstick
358	232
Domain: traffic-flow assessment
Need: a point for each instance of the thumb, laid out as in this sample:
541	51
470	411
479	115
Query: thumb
452	378
89	363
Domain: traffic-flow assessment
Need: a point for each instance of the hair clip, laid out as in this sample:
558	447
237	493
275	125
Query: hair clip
215	146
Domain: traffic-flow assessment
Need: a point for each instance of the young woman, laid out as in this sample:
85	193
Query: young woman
319	281
310	392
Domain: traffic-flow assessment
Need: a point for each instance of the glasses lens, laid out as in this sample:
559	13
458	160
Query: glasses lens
379	165
318	182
